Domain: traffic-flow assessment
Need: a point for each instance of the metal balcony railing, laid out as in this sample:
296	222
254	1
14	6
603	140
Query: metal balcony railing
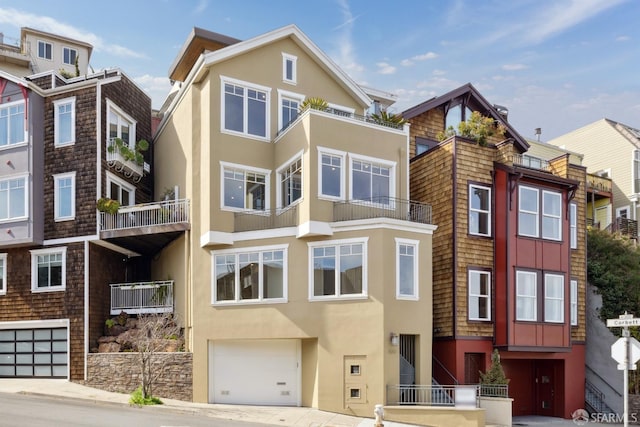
142	297
440	395
146	215
382	207
530	162
264	220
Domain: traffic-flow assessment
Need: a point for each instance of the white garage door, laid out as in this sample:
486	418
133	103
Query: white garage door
34	352
255	372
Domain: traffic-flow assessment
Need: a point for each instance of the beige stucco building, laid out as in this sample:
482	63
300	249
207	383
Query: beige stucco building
305	278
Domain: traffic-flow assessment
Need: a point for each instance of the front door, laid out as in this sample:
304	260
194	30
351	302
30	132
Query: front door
544	388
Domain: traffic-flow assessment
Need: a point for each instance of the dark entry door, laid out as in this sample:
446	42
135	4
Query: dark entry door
544	388
473	364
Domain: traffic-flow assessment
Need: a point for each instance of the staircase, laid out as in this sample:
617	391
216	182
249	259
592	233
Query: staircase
595	400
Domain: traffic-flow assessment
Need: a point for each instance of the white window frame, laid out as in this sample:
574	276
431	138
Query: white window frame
415	294
292	96
280	175
373	161
245	125
474	298
535	213
480	211
261	299
547	298
8	106
70	49
57	142
527	297
121	116
123	184
245	169
34	269
3	273
45	43
573	225
26	181
286	58
343	172
626	209
337	244
56	196
573	291
557	217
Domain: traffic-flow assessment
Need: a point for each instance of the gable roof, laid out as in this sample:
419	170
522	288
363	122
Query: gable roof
290	31
471	97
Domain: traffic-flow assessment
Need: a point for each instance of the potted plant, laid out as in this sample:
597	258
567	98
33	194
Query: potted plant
128	154
107	205
314	103
477	127
388	119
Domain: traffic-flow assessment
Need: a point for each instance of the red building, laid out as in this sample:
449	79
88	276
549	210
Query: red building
509	255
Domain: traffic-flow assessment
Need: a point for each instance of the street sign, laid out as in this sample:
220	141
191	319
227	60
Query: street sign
619	323
619	348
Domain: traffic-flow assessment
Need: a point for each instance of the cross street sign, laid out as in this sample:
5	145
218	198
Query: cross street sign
618	323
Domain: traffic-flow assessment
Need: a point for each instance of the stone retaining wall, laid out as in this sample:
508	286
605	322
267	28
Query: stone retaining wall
120	372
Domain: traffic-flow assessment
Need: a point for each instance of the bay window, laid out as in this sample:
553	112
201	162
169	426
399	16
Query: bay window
372	180
13	198
12	130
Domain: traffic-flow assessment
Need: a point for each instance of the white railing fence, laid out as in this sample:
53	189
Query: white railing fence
146	214
142	297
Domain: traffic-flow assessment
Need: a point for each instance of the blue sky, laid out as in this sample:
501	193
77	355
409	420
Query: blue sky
555	64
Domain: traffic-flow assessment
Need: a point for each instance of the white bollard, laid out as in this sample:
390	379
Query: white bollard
378	413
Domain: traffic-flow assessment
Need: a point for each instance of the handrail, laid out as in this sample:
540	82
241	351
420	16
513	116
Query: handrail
146	215
445	370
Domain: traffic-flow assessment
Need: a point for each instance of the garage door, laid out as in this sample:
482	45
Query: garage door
34	352
255	372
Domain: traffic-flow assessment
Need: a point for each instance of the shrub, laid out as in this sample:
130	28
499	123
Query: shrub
138	399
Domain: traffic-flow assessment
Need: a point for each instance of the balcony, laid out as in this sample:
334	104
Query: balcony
624	226
442	395
385	207
146	228
530	162
116	159
142	297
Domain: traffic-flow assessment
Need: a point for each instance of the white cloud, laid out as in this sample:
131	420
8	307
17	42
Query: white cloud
201	7
385	68
438	72
514	67
156	87
406	62
623	38
346	57
425	56
45	23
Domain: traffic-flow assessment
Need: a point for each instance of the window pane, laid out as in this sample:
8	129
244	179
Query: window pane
351	269
526	296
554	298
233	108
64	123
528	199
4	128
16	124
233	189
361	184
479	198
331	175
324	272
257	113
289	111
406	264
249	276
65	197
273	280
225	277
255	196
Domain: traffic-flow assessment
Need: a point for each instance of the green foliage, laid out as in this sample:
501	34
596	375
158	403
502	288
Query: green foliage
64	73
109	323
495	374
613	267
137	398
122	318
127	153
314	103
388	118
477	127
108	205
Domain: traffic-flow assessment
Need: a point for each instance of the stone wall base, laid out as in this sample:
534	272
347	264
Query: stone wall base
120	372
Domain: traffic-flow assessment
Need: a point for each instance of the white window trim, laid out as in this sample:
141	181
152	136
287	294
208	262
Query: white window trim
56	121
70	49
25	137
537	213
343	172
245	168
382	162
573	226
38	50
27	186
489	218
122	183
294	69
246	85
56	198
574	302
623	208
132	130
3	277
34	269
535	295
337	243
561	320
557	238
488	296
416	281
279	176
283	94
261	300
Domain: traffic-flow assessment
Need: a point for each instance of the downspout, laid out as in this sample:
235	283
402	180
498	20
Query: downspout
86	308
454	216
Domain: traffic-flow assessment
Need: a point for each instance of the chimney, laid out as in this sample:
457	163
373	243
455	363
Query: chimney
538	131
503	111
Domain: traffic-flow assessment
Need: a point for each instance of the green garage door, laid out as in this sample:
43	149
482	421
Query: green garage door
36	352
